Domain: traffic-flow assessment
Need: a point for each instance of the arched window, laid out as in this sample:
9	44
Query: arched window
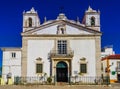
62	30
30	22
92	21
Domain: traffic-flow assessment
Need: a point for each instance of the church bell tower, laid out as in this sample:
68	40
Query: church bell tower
30	20
92	19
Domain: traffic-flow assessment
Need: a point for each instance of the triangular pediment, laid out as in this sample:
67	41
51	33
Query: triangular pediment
53	27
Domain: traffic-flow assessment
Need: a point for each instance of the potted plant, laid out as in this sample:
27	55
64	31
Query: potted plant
49	80
80	73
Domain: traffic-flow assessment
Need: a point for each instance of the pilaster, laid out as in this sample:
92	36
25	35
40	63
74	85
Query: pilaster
24	57
98	55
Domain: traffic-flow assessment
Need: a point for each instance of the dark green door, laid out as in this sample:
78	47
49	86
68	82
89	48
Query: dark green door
118	77
62	72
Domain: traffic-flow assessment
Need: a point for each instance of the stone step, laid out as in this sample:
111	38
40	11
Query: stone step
62	83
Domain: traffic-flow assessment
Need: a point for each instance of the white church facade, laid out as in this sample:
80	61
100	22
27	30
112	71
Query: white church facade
59	47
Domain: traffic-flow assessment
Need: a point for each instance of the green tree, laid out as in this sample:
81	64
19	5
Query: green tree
1	71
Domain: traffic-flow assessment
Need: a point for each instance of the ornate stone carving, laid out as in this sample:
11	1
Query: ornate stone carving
61	29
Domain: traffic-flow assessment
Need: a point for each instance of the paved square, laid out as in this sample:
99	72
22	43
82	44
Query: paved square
58	87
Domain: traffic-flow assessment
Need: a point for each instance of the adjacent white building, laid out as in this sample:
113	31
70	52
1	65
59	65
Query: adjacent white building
111	67
59	47
106	51
11	62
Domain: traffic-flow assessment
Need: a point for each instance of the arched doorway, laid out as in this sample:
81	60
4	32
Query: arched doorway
62	72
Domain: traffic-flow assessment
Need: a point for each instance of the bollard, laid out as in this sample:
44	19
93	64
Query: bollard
2	82
108	80
54	80
10	82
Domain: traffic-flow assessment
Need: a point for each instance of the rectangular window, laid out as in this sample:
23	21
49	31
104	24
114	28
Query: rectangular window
118	65
101	66
13	55
83	68
62	47
39	68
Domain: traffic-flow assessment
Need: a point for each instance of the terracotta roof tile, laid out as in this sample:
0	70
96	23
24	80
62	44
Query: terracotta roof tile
115	56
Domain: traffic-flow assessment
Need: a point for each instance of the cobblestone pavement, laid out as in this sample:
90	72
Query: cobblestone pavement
58	87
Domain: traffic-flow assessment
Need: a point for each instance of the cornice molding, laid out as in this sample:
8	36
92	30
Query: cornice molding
11	49
60	35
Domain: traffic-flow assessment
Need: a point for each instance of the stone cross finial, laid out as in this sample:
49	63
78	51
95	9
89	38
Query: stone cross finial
78	20
45	19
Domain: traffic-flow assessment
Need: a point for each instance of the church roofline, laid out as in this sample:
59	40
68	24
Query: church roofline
31	11
55	22
90	10
11	48
112	57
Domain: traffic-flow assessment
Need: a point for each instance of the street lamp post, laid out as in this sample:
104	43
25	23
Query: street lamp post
108	71
108	79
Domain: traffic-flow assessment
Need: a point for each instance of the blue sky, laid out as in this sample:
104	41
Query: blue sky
11	18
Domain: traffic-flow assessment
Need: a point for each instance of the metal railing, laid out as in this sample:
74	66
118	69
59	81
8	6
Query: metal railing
34	80
88	80
73	80
68	53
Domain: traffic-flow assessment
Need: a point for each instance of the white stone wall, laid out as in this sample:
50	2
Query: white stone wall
83	48
73	30
113	66
38	48
107	51
12	65
48	30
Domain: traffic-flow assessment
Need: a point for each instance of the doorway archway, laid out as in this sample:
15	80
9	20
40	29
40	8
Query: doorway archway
62	72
